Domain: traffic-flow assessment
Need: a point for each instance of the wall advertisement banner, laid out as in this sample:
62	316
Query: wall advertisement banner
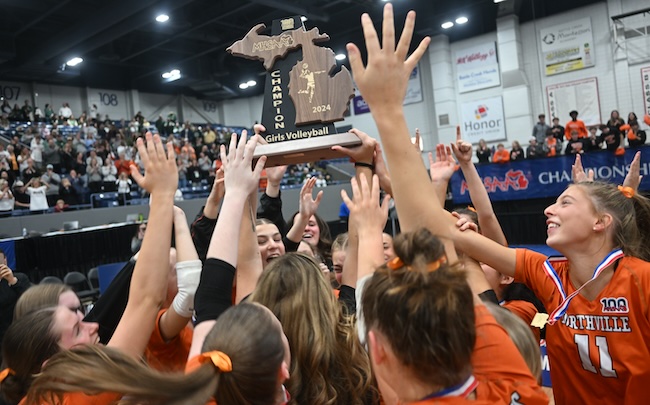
567	47
483	119
477	68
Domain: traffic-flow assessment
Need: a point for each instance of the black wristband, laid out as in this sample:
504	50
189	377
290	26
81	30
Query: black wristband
363	164
214	293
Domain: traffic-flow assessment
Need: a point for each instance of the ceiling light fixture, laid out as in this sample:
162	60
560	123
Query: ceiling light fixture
161	18
251	83
446	25
243	86
498	1
172	75
74	61
340	56
461	20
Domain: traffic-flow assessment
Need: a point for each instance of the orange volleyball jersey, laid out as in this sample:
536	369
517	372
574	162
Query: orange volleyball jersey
599	350
526	311
168	355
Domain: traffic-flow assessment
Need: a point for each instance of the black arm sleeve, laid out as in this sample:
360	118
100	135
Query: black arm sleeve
289	245
214	294
271	209
489	296
22	285
201	230
347	298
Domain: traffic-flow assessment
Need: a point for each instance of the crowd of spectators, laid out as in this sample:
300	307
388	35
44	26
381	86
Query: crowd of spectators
571	139
54	162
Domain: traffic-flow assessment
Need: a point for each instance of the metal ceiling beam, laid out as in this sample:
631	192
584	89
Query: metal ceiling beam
102	20
314	14
41	17
185	32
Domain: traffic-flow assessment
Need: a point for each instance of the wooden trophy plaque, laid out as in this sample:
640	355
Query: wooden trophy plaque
302	98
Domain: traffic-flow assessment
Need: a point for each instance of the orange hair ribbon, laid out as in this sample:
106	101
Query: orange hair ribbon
219	359
6	373
469	207
626	191
397	264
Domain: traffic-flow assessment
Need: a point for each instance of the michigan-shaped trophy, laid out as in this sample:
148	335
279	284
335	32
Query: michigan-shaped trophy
303	94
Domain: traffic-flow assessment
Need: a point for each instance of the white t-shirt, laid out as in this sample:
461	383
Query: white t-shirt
6	202
65	112
38	200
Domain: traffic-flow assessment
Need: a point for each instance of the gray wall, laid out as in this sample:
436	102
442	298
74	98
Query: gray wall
43	223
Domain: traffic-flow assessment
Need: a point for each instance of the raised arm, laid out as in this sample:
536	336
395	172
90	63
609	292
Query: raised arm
249	259
149	280
188	274
383	85
487	219
215	286
307	207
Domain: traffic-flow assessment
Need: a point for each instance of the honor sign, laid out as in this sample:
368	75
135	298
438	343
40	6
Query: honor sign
303	96
483	119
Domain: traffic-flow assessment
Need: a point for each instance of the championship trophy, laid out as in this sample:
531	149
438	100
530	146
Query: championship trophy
302	99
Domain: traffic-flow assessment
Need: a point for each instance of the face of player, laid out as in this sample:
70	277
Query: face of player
571	220
389	252
71	328
338	258
312	232
269	242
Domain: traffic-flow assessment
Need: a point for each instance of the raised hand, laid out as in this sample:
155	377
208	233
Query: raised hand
443	167
464	224
384	79
238	176
7	274
462	149
363	153
578	172
160	171
367	212
633	178
308	205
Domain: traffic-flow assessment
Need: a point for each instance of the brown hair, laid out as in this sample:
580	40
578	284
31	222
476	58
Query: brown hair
244	332
328	365
472	214
631	216
521	336
427	317
324	244
29	341
39	297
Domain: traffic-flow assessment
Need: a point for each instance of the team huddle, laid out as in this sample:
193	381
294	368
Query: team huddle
243	311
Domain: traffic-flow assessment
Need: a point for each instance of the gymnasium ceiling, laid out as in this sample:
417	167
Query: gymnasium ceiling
123	47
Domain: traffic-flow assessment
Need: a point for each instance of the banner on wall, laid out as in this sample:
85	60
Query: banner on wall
483	119
580	95
542	178
567	47
413	94
645	85
477	68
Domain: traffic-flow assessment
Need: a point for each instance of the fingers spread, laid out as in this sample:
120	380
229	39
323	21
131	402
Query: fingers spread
388	29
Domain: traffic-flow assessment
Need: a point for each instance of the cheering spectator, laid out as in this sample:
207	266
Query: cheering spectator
30	171
575	145
52	155
123	184
109	174
575	125
6	198
483	153
610	136
631	118
48	113
615	120
123	164
65	112
551	145
558	131
501	155
534	150
517	152
592	142
37	148
68	193
635	136
53	181
540	129
37	195
27	111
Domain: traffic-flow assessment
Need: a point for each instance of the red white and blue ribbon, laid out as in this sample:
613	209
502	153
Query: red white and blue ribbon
566	300
461	390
